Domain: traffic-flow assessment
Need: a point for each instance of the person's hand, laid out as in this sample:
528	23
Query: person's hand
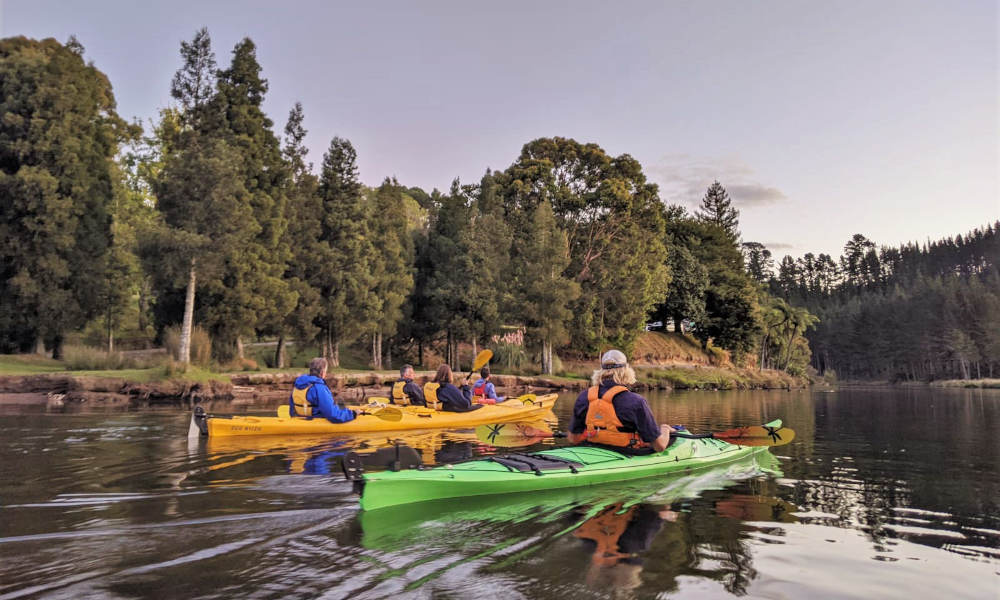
667	429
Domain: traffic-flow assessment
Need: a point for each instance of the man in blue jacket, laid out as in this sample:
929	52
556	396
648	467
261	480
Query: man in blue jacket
311	398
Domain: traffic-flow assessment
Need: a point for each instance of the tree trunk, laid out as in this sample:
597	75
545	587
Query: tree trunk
546	357
334	354
279	353
184	352
143	302
475	349
40	345
239	348
420	353
327	348
111	333
57	347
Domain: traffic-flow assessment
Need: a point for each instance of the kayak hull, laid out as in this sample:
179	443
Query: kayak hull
594	466
413	418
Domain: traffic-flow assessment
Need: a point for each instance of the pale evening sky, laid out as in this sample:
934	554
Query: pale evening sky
823	119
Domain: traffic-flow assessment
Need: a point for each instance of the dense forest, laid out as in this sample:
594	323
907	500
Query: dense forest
208	220
916	312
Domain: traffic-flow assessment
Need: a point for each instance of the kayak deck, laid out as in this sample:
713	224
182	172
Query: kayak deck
413	417
553	469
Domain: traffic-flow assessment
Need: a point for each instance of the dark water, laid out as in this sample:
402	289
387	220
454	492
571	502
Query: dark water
883	494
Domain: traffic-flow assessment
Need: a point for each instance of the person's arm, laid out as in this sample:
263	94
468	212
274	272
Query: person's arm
467	392
329	409
415	393
578	422
649	430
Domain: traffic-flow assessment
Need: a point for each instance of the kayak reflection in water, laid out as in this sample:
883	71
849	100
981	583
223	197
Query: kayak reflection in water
609	414
619	536
311	397
442	392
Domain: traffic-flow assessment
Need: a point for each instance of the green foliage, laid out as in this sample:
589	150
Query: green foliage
544	295
717	209
58	138
903	314
614	222
342	272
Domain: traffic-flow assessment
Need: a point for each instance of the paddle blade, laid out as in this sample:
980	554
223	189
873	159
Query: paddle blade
527	399
481	359
387	413
510	435
757	436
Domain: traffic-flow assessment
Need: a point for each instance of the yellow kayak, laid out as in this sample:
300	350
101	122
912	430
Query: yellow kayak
413	417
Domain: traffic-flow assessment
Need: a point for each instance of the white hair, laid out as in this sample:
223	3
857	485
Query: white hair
620	375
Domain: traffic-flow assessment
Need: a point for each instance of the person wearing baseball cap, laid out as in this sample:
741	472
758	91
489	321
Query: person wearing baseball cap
609	414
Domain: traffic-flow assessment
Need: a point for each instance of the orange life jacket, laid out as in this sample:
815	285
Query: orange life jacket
603	425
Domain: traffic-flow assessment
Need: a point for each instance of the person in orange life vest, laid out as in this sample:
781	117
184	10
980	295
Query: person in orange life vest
404	391
451	398
483	391
311	398
609	414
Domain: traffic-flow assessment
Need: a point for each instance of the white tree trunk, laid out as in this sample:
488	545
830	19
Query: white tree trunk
184	352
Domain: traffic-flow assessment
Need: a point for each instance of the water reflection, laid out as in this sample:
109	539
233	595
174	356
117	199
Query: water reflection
883	493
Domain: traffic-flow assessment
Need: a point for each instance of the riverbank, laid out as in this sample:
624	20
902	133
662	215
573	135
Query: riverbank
940	383
151	388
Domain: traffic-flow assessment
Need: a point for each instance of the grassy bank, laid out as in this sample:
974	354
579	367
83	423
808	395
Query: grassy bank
967	383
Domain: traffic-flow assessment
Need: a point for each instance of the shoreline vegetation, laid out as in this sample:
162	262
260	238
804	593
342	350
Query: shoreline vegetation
662	361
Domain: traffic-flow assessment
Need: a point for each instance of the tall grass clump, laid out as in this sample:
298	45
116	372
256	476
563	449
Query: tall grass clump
201	344
88	358
509	351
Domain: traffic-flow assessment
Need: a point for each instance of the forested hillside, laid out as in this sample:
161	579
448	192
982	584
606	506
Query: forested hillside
915	312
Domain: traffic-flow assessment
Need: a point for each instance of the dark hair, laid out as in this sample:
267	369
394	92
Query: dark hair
317	366
404	369
484	372
444	375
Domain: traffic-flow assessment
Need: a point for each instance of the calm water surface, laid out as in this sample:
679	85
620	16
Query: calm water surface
884	493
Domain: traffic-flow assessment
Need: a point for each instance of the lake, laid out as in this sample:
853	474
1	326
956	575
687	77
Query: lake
884	493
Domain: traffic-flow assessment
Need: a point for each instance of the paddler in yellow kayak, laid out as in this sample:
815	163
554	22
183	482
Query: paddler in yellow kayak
404	391
442	393
609	414
311	397
483	391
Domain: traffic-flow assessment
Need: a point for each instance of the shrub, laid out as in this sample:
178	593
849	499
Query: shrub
88	358
201	344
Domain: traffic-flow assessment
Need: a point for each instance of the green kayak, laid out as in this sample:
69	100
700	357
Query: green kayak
560	468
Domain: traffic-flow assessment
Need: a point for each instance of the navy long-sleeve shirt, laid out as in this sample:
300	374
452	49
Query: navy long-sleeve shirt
453	399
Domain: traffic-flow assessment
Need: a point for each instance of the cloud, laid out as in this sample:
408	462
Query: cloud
778	246
683	179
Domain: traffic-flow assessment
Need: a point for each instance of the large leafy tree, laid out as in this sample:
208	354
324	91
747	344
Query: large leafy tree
200	190
544	293
343	274
59	134
391	261
304	213
251	295
614	222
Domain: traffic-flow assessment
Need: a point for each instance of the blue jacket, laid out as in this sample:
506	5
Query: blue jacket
321	398
490	392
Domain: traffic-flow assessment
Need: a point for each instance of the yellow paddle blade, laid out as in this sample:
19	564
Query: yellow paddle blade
527	399
284	412
388	413
481	359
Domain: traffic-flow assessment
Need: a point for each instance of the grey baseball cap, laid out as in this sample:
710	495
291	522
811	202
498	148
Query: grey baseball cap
613	359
